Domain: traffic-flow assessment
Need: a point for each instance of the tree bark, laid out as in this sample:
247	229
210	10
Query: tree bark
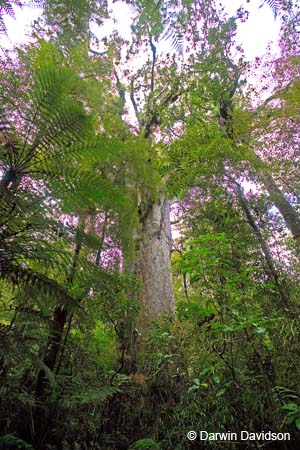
156	295
290	216
59	320
264	246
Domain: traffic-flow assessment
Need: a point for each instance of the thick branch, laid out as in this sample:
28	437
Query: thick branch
132	98
290	216
121	91
154	119
263	244
153	50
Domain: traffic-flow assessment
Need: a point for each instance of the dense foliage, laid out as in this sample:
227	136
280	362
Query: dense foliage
97	134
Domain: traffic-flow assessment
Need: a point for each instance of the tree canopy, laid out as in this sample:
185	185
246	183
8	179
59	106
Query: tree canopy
149	230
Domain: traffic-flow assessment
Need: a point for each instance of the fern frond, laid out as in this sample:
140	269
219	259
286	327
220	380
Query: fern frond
48	373
7	8
79	189
95	151
21	276
145	444
49	119
10	439
274	5
174	35
89	395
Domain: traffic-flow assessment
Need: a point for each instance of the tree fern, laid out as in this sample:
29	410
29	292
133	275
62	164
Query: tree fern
49	121
80	394
43	133
174	34
7	7
51	137
274	5
21	276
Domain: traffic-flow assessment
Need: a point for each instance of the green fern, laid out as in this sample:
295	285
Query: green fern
50	123
49	375
90	396
7	8
51	138
10	439
55	141
274	5
22	276
145	444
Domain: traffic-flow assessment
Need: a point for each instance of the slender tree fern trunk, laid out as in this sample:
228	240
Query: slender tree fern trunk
59	320
42	417
52	349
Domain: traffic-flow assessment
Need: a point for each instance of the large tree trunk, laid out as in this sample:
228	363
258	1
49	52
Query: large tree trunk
156	294
153	264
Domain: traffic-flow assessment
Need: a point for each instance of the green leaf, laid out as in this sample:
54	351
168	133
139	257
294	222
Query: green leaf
220	392
216	377
290	407
145	444
90	396
10	439
260	330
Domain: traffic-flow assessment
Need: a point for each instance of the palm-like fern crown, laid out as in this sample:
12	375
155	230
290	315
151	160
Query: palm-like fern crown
274	5
48	133
49	149
7	8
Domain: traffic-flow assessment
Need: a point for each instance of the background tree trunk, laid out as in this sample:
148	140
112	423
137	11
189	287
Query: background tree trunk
264	246
290	216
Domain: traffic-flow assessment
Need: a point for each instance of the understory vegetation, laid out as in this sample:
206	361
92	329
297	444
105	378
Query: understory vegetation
106	144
